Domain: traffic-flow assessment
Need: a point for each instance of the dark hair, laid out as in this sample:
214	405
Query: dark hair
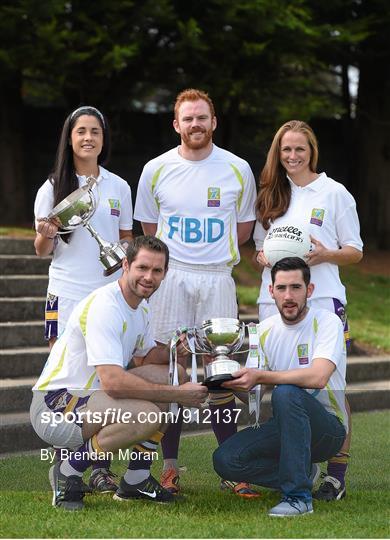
147	242
291	263
63	176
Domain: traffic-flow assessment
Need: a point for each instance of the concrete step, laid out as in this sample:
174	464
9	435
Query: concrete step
33	285
367	368
24	264
15	394
24	308
17	246
17	434
22	362
29	362
22	334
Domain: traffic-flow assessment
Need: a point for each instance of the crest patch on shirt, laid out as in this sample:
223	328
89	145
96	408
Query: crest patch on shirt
317	216
115	206
214	196
303	354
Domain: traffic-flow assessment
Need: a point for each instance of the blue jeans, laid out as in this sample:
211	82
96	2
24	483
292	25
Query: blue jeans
280	453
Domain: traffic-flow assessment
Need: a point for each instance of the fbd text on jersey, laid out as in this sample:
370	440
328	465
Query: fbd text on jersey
192	230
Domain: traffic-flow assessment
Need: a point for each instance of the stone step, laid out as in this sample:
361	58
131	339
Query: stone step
22	309
22	362
16	286
15	393
17	434
22	334
24	264
17	246
367	368
29	361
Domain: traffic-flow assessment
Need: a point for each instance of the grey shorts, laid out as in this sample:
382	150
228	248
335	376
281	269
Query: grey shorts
54	416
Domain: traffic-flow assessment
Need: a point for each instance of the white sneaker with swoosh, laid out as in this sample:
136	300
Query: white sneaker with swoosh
149	490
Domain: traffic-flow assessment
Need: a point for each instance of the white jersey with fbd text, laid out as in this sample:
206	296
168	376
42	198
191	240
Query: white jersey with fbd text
197	204
294	346
103	329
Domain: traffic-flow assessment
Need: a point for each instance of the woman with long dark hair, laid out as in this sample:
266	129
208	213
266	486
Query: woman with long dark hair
75	270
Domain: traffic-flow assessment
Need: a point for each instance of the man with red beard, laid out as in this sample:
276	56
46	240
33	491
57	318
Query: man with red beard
199	199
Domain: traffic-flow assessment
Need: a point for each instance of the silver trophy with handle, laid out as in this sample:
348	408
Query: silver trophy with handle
219	338
75	211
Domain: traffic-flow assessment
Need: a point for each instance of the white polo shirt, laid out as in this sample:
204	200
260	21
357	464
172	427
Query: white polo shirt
197	204
294	346
102	330
75	269
329	212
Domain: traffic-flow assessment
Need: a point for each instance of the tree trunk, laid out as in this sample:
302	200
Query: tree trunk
12	190
373	151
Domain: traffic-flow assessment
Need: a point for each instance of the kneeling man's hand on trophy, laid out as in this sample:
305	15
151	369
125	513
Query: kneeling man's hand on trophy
192	394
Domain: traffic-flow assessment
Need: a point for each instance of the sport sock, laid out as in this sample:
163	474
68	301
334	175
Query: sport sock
171	440
79	460
170	464
222	416
337	466
138	469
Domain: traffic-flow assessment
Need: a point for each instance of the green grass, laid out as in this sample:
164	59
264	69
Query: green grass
368	306
206	512
17	231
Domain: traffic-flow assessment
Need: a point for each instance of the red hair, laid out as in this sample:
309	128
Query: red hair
192	94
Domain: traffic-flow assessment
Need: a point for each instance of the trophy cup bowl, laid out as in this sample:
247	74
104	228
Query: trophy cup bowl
220	338
75	211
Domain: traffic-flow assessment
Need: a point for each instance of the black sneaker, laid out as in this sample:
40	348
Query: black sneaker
68	491
149	489
102	481
330	490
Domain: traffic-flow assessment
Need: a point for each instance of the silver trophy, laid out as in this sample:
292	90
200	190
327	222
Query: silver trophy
219	338
76	210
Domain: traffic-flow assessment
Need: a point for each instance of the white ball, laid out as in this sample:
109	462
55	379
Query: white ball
289	240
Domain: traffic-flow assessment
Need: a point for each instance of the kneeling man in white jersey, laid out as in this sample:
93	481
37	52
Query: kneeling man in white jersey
304	357
90	404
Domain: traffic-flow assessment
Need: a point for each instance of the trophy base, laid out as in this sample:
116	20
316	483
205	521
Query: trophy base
109	271
214	382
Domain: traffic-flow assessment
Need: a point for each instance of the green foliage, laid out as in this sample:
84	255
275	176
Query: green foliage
256	57
205	512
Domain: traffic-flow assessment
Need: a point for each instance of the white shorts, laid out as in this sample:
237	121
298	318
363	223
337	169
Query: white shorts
57	313
190	294
47	413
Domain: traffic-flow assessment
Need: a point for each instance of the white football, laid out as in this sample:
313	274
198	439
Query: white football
289	240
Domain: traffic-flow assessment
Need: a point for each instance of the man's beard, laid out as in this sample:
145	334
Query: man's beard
301	311
197	145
